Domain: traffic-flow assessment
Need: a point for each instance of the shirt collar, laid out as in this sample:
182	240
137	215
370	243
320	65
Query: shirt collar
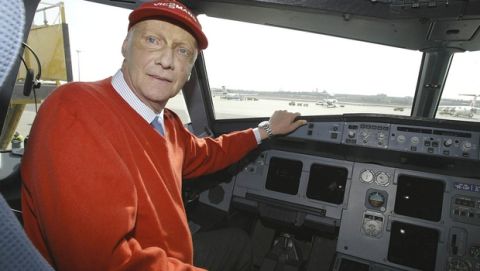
120	85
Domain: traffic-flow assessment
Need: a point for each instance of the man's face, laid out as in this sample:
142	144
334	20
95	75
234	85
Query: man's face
159	57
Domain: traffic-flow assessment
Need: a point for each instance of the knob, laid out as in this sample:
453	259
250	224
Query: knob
382	179
400	138
448	142
467	145
372	228
364	134
366	176
351	134
380	136
414	140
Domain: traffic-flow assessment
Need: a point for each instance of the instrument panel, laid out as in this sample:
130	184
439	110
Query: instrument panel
388	217
396	137
409	220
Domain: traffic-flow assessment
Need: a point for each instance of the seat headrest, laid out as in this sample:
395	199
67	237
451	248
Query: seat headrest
12	21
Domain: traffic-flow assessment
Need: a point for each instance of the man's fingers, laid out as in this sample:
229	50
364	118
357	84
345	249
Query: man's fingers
298	123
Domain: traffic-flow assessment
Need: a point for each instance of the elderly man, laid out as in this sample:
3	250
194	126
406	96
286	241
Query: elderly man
103	168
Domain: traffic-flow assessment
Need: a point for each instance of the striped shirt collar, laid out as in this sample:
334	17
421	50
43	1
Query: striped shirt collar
120	85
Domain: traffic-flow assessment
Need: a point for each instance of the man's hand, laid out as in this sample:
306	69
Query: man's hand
282	122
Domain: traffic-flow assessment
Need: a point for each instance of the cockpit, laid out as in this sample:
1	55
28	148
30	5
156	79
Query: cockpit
385	174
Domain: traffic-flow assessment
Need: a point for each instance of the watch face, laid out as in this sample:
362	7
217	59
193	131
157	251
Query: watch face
265	125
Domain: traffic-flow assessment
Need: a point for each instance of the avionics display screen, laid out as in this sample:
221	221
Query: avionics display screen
327	183
419	197
413	246
284	175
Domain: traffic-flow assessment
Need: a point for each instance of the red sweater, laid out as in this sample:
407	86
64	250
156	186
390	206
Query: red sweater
102	189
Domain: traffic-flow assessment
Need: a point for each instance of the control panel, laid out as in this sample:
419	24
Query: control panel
387	217
411	220
373	135
466	209
320	131
434	141
314	187
390	136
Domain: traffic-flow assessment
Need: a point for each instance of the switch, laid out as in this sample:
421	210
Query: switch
447	143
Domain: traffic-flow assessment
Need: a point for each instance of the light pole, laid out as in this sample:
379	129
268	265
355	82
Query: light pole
78	63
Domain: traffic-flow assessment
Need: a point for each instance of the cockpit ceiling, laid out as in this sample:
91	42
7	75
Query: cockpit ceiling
383	9
410	24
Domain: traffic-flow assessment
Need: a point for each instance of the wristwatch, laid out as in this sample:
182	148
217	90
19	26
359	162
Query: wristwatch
265	125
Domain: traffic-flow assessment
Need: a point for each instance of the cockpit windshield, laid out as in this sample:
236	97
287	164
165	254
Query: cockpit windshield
461	95
255	69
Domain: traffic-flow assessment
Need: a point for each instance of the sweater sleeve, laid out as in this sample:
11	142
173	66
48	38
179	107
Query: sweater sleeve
79	197
207	155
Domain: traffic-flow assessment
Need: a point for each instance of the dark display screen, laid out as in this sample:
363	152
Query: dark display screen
327	183
284	175
419	197
348	265
413	246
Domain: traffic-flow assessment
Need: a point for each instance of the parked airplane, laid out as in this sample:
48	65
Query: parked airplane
239	97
328	102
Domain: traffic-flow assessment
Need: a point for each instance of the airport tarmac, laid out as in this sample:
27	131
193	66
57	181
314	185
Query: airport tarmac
236	109
228	109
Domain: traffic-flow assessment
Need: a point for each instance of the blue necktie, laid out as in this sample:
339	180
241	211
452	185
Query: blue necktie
157	126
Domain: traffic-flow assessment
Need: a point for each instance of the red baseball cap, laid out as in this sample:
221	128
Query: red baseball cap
172	11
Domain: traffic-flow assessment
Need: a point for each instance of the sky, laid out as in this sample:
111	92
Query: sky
253	57
97	31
